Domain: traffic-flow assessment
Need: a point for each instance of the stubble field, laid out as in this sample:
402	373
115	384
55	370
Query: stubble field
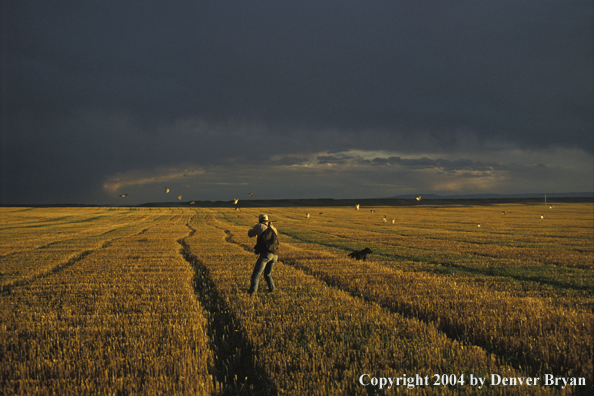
135	300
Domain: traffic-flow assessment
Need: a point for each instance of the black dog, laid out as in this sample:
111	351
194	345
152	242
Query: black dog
360	254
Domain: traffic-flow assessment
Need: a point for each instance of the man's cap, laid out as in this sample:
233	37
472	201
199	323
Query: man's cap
263	217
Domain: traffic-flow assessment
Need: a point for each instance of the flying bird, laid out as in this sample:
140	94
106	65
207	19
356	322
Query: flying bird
123	195
357	207
192	203
419	198
250	194
166	189
235	201
179	197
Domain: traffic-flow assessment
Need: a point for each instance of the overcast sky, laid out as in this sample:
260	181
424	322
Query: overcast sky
294	99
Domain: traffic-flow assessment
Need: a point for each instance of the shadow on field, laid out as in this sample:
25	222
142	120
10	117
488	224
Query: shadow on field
235	369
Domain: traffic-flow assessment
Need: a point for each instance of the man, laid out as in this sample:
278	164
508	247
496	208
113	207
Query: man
266	260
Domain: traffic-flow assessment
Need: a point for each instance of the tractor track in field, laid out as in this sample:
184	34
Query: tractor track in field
8	288
446	266
451	330
234	355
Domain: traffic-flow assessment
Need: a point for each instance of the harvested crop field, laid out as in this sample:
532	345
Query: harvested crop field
154	300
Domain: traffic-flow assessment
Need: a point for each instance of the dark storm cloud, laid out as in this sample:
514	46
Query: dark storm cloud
95	89
458	64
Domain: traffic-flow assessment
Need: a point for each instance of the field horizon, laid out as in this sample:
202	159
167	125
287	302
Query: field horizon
339	202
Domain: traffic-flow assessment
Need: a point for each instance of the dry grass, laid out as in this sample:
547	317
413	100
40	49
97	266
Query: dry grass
123	319
139	301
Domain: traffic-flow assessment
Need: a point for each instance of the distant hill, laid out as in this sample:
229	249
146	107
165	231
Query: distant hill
404	200
400	200
499	196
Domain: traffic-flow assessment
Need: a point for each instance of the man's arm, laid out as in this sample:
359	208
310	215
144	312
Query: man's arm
252	231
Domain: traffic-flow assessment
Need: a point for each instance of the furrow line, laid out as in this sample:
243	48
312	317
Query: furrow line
7	289
519	357
314	276
446	266
235	367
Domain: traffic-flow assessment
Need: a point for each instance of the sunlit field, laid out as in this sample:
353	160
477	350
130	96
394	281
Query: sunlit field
452	299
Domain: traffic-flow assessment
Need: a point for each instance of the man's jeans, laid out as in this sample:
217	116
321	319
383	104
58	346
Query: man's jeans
265	263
